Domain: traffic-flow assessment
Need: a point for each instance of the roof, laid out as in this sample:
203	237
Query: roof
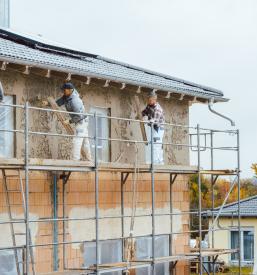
25	50
248	208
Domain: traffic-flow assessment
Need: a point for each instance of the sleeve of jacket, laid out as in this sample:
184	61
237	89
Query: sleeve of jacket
144	112
77	107
158	115
60	101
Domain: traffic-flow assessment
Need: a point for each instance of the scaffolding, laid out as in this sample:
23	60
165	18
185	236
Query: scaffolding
198	255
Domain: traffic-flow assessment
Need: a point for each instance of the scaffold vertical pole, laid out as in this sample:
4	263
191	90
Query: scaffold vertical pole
55	224
153	200
239	206
213	201
65	178
96	196
64	222
171	221
123	179
122	212
199	199
26	162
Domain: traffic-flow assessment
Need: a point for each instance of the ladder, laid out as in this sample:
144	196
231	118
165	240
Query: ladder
8	191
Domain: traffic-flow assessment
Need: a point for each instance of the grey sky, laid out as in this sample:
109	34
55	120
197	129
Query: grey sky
205	41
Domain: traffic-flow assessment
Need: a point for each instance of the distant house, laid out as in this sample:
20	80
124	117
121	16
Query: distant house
228	237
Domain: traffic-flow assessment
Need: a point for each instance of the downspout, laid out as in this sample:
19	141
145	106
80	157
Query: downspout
210	105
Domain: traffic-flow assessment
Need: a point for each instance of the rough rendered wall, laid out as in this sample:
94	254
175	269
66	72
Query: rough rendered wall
120	103
80	189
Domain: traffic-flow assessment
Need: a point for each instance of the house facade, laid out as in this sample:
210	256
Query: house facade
31	71
229	237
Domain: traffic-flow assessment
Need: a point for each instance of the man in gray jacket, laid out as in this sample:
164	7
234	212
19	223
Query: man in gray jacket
73	103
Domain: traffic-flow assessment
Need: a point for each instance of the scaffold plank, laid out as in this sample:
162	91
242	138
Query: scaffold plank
213	252
72	165
218	172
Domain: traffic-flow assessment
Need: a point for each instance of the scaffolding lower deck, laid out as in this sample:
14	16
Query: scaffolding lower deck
103	268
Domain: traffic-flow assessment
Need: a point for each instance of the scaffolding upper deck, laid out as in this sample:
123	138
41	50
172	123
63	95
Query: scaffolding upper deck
86	166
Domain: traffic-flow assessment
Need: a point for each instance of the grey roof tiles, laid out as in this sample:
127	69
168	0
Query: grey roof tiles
248	208
24	50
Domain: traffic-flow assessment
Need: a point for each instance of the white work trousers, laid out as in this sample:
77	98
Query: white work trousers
80	140
157	146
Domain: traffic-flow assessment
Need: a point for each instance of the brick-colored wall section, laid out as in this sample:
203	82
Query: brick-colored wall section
80	195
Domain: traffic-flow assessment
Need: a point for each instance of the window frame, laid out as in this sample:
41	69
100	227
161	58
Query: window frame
121	246
148	245
107	112
11	255
244	229
14	114
102	259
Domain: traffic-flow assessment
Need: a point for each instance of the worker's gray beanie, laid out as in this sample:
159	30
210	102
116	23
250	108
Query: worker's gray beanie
152	94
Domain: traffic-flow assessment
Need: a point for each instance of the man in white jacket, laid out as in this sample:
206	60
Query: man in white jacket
73	103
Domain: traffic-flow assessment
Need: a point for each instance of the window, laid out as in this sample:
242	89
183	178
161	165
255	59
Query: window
234	244
102	132
8	263
7	123
110	251
248	241
247	244
144	251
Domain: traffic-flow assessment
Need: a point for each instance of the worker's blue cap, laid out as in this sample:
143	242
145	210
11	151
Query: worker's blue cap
67	85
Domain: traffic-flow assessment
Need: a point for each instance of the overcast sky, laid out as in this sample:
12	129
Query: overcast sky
205	41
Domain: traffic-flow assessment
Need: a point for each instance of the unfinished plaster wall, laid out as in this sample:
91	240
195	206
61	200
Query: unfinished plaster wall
120	103
80	189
